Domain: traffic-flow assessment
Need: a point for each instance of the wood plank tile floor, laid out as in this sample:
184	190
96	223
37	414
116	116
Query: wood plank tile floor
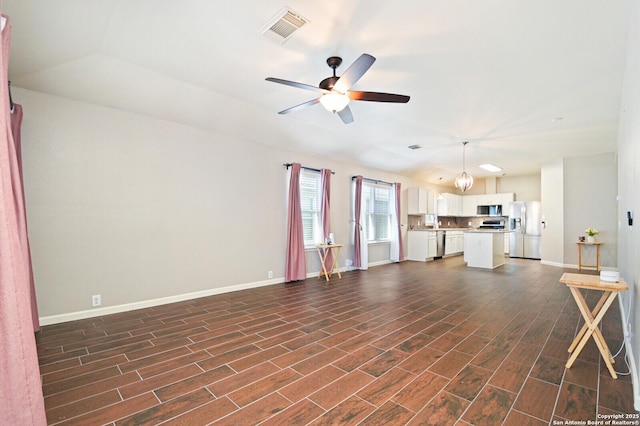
400	344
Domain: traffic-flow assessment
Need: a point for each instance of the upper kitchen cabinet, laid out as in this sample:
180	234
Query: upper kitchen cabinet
506	199
471	202
496	199
449	205
470	205
419	201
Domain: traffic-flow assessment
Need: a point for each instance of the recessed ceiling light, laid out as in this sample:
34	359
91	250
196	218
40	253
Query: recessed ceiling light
490	167
556	119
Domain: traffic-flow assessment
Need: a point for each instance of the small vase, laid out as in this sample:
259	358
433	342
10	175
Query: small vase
591	239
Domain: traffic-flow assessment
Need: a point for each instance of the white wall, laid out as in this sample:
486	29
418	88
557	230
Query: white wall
628	178
525	188
579	193
139	210
590	184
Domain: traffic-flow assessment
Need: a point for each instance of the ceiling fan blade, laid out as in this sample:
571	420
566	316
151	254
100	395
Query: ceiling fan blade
301	106
377	97
296	84
354	73
346	115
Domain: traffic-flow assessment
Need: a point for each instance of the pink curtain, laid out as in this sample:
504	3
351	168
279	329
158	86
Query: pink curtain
325	209
296	265
357	243
397	195
21	401
16	124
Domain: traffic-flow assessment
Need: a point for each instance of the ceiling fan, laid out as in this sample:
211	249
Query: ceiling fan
334	90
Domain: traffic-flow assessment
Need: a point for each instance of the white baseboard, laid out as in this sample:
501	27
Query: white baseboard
575	266
107	310
556	264
631	359
382	262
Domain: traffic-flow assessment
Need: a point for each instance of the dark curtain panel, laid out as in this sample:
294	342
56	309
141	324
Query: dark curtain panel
296	265
357	236
397	188
325	209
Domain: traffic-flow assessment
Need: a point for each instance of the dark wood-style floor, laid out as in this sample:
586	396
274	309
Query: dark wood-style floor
410	343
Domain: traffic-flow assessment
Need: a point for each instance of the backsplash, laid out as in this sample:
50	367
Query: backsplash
417	222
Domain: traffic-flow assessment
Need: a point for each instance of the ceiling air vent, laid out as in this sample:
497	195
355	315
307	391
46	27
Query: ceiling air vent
283	25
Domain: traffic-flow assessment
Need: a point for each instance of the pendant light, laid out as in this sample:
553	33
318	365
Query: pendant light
464	180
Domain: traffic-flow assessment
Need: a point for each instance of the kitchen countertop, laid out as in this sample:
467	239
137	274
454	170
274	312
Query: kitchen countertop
439	229
460	229
497	231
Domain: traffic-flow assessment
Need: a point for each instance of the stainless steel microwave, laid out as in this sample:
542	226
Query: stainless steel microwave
490	210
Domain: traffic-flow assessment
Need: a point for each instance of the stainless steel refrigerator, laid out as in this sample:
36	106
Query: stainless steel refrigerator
525	229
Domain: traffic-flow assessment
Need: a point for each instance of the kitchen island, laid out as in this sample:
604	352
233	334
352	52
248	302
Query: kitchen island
484	248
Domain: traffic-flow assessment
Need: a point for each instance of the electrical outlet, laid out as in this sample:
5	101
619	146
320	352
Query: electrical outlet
270	274
96	300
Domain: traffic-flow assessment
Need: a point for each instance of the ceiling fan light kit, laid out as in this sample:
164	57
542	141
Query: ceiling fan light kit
334	101
334	90
464	180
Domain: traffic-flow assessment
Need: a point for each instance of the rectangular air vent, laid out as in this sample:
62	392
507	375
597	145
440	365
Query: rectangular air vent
283	25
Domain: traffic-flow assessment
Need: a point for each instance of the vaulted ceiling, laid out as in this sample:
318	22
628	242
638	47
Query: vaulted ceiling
523	81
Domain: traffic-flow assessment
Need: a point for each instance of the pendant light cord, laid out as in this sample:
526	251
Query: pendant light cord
464	150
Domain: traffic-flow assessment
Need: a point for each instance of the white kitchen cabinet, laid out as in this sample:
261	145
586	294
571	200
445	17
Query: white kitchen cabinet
430	202
418	245
484	199
459	245
433	244
469	205
506	242
454	242
506	198
448	244
419	201
449	205
496	199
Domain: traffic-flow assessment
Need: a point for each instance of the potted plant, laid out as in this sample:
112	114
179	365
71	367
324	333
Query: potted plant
591	234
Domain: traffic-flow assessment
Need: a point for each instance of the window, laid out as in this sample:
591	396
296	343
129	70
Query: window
310	199
377	213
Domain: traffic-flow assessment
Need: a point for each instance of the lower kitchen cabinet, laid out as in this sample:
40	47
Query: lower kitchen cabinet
454	242
421	245
433	245
418	245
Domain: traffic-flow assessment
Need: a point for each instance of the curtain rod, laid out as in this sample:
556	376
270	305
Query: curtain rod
373	180
287	165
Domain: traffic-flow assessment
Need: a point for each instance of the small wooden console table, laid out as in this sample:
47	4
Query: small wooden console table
582	265
592	318
323	253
